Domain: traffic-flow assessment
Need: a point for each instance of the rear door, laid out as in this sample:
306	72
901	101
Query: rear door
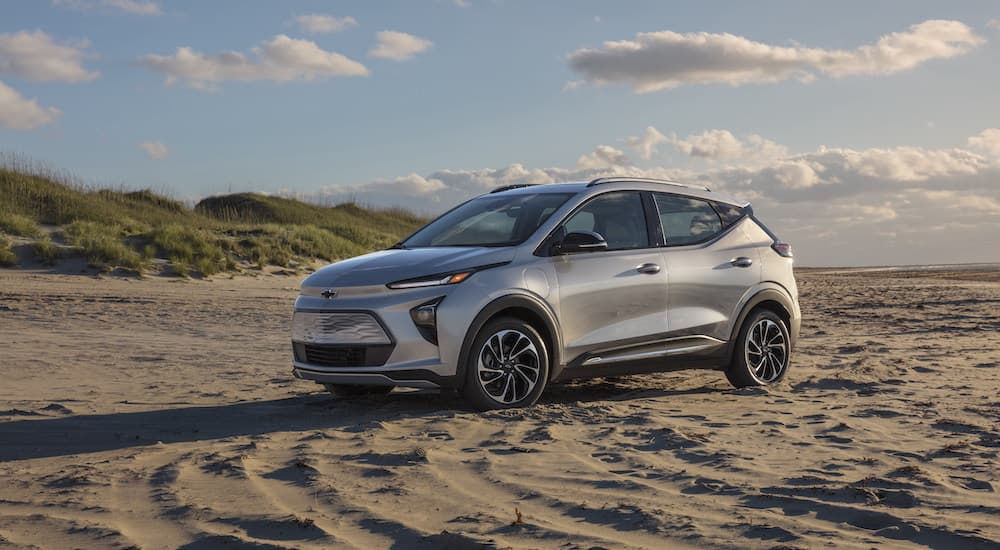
616	296
710	261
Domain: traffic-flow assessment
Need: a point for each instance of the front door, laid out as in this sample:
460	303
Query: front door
616	296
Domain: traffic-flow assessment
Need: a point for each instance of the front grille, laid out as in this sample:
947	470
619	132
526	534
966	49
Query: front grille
342	356
338	328
335	357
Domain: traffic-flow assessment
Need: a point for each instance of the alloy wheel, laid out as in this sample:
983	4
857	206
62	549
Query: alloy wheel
508	366
766	350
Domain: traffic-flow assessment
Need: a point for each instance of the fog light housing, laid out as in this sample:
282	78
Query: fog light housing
425	318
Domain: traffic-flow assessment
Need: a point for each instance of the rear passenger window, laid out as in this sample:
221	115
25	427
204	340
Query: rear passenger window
686	220
730	214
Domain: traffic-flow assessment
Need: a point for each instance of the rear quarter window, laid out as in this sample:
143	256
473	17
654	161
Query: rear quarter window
728	213
686	220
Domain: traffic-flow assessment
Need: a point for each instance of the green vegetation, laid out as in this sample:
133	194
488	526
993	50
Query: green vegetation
46	251
7	256
143	230
15	224
102	245
187	246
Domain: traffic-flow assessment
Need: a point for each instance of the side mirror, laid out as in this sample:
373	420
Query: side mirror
581	241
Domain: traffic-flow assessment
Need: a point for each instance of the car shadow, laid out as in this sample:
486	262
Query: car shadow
43	437
79	434
617	389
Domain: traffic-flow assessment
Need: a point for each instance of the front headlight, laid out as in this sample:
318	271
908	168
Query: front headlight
450	278
433	280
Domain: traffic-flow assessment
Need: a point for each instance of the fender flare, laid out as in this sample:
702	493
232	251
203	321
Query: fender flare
522	301
764	295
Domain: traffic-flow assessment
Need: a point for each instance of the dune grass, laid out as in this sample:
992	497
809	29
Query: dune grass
46	251
141	229
7	256
188	247
16	224
102	245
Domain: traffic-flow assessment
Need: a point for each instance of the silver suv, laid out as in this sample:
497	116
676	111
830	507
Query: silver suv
534	284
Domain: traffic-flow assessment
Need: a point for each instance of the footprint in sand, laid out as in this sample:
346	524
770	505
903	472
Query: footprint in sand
973	484
609	458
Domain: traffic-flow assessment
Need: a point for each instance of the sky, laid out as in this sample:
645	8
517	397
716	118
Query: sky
865	133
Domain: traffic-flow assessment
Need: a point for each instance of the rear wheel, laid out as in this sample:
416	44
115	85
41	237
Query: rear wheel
348	390
508	366
762	351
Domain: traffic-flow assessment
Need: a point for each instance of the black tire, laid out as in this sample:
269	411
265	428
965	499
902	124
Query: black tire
522	370
764	368
350	390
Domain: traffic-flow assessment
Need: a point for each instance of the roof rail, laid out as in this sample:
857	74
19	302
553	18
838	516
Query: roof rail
509	187
614	179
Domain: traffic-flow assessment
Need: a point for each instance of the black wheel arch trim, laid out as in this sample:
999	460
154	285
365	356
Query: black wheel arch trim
764	295
521	301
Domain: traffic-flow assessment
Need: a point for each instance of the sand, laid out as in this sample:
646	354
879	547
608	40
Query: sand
162	414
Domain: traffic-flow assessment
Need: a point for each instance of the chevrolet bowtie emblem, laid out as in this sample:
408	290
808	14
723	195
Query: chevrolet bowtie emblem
328	293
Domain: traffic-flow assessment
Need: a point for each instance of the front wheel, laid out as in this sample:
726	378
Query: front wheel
762	351
348	390
508	366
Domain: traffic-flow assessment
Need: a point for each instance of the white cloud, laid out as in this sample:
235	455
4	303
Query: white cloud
723	145
603	156
137	7
321	23
398	46
712	144
666	59
410	185
646	144
987	141
34	55
855	213
18	113
155	149
953	199
280	59
794	173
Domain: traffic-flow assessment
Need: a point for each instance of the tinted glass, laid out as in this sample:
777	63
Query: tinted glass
686	220
491	220
618	217
730	214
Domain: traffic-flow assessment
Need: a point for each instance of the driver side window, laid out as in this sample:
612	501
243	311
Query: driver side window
618	217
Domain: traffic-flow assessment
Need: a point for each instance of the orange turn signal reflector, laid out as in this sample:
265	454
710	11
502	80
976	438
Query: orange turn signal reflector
458	277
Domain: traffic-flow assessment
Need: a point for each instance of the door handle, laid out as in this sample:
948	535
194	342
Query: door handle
648	268
742	261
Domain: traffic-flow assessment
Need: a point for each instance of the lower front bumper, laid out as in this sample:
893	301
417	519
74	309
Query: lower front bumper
416	378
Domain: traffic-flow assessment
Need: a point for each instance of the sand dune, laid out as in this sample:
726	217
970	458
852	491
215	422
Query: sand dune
161	414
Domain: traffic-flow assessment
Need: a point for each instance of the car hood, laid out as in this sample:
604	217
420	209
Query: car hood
388	266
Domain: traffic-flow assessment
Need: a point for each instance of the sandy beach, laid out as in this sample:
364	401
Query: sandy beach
161	413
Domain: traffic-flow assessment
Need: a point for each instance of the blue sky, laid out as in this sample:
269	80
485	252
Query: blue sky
533	85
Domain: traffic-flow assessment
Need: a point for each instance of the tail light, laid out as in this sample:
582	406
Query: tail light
782	248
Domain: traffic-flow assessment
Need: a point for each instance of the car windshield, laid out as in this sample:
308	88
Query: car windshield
491	220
